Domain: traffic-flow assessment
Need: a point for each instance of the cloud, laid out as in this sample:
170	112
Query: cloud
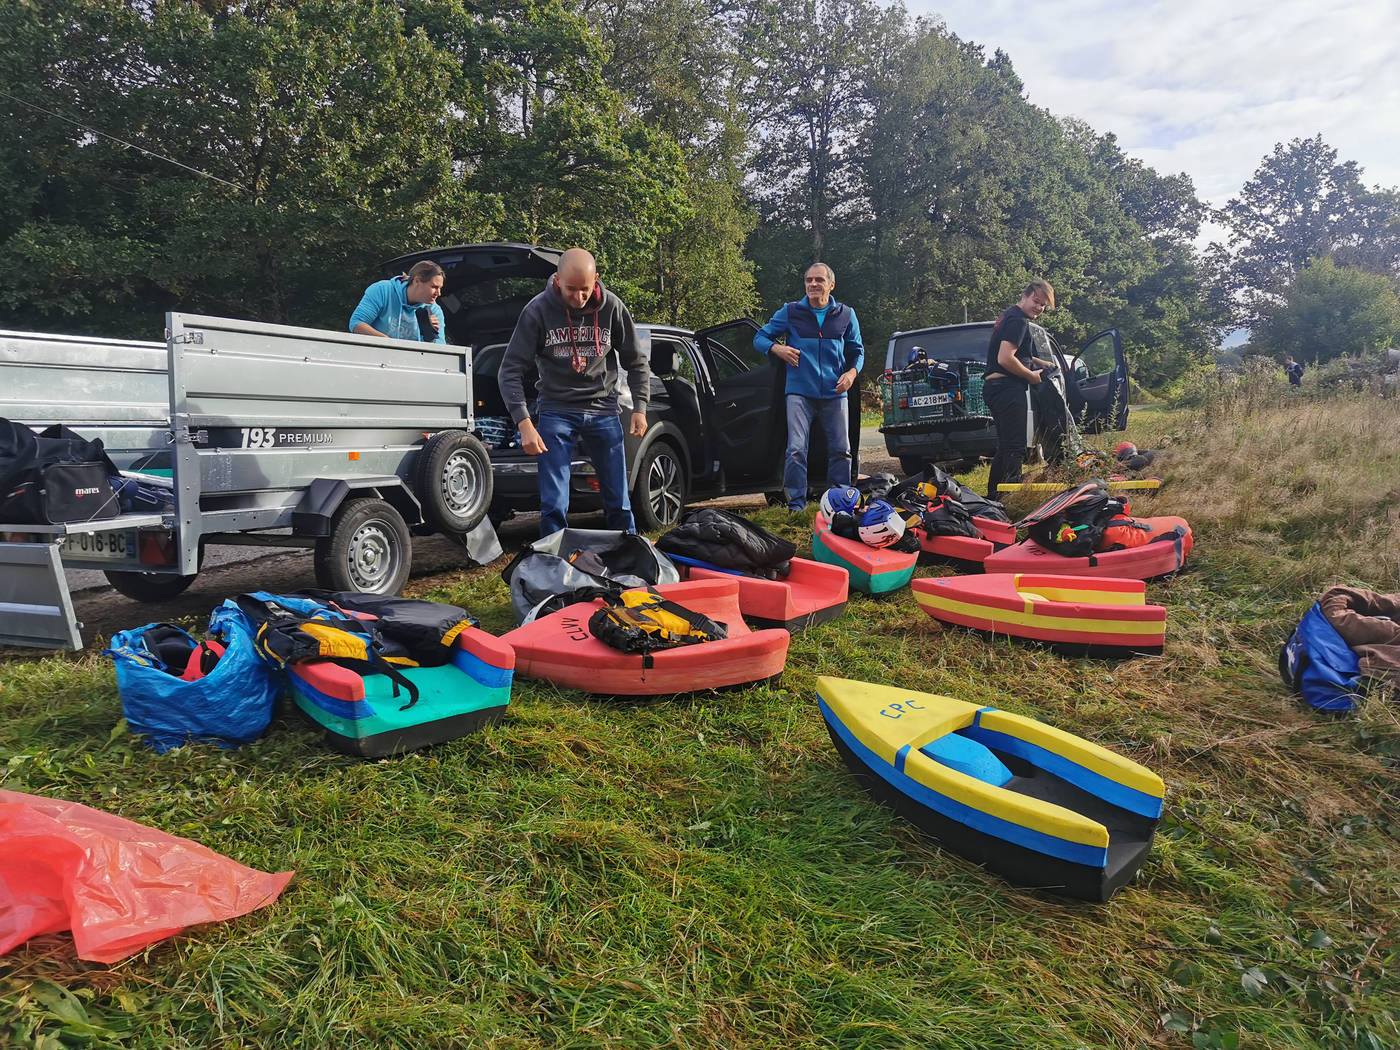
1204	87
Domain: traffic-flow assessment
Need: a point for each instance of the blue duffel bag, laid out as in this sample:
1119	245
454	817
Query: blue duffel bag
228	702
1318	665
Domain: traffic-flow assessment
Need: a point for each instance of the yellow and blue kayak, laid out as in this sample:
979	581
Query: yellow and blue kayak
1038	806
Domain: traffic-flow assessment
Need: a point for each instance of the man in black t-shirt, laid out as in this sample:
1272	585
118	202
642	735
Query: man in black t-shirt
1012	369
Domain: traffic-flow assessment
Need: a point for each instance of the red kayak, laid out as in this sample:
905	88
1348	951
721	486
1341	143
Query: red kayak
559	648
992	536
1080	611
811	593
1132	563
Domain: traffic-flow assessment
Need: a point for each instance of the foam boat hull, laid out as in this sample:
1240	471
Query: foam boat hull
993	536
1132	563
1082	613
559	648
361	715
1037	806
811	593
874	570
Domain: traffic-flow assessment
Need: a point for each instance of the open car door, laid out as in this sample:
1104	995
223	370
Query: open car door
1096	386
746	428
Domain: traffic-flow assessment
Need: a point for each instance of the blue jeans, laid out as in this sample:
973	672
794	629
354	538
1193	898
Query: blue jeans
602	440
830	412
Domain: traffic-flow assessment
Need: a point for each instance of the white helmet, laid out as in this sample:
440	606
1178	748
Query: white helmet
880	525
838	500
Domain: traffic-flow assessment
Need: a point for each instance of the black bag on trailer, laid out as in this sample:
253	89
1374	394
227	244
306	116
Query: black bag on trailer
53	477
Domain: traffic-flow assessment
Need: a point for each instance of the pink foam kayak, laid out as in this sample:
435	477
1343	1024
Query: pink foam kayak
992	536
811	593
559	648
1134	563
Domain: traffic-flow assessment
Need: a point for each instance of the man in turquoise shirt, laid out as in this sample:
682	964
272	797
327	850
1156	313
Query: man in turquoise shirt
393	309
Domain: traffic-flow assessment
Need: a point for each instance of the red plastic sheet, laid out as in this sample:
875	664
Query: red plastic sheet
118	885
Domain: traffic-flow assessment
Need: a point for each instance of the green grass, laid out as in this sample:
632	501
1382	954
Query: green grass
704	873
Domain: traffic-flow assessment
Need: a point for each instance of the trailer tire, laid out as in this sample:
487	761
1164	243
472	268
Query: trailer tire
452	478
149	587
368	549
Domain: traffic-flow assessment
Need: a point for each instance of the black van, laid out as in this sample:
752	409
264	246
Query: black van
1095	380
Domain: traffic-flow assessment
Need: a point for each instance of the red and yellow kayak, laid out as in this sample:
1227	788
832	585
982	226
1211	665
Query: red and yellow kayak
1079	611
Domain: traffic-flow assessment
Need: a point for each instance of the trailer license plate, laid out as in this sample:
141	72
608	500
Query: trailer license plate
925	400
102	546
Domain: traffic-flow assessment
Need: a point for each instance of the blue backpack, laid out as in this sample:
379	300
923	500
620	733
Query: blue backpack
1318	665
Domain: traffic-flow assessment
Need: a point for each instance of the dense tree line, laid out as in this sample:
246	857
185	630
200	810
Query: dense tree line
260	158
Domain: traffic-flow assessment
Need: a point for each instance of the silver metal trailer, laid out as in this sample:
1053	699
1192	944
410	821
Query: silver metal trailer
272	435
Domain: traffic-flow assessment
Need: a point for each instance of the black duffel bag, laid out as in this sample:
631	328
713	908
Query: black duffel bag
53	477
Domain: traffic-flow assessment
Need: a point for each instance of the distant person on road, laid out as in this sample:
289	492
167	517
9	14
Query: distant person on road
1012	369
574	334
819	340
403	307
1294	371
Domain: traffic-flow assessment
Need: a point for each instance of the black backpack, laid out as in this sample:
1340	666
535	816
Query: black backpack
1072	523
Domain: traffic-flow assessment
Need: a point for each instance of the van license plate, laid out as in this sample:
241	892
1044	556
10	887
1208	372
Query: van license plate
101	546
925	400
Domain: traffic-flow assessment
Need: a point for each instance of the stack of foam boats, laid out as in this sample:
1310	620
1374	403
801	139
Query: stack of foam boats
1039	807
1163	555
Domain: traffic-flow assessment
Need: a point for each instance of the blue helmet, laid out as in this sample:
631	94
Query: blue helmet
916	354
839	500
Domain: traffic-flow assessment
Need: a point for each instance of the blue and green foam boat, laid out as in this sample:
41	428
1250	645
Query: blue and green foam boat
372	715
874	570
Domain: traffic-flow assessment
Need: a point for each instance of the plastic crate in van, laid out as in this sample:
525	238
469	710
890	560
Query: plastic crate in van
927	396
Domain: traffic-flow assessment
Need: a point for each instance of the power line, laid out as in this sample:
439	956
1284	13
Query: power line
123	142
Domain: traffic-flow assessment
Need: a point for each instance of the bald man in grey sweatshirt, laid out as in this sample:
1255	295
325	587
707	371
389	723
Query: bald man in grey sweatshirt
574	334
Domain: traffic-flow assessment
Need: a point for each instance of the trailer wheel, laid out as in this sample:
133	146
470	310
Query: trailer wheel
149	587
368	549
452	478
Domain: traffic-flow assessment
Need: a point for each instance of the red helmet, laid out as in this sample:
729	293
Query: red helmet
1125	448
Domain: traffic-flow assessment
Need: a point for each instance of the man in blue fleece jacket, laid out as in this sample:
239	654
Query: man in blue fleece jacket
574	334
390	309
818	339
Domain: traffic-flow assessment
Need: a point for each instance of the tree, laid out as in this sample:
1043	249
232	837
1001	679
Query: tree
1302	204
1331	311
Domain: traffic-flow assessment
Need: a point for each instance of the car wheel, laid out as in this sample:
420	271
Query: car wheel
368	549
775	499
658	495
911	465
452	478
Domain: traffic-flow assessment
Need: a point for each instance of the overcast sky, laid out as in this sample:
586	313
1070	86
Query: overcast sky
1206	86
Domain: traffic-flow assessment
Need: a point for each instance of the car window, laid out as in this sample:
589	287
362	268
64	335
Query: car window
737	343
670	358
1098	357
949	344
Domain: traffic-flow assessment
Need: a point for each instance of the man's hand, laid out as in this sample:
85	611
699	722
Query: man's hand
845	380
530	439
1035	377
783	352
639	424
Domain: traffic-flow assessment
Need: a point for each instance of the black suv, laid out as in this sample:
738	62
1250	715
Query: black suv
716	414
1095	388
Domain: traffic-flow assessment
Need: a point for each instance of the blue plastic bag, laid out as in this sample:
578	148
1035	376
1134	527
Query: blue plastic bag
1317	663
229	706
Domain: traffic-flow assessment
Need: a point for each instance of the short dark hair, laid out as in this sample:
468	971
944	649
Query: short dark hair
424	270
1041	285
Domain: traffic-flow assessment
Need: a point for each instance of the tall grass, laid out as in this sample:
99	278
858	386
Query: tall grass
702	872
